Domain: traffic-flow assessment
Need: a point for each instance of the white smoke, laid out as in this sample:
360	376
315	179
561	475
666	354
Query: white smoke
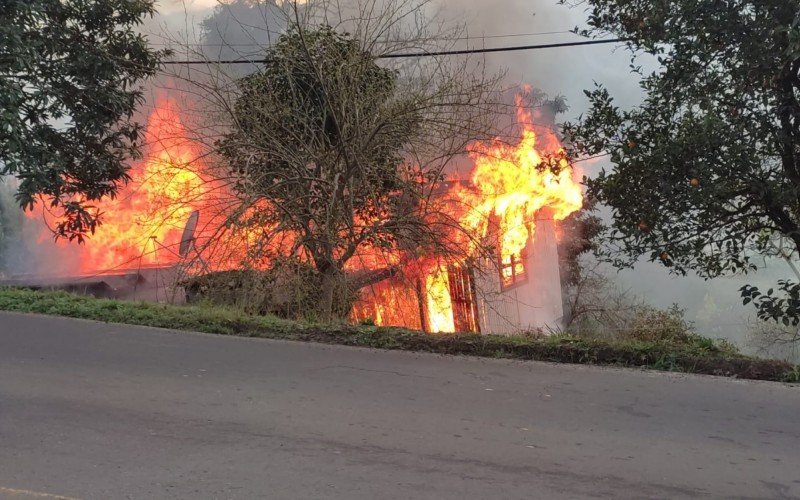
25	246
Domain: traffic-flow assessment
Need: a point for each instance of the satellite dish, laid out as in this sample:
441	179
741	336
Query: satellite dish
187	240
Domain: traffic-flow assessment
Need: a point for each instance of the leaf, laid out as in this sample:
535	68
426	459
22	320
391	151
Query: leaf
707	111
89	145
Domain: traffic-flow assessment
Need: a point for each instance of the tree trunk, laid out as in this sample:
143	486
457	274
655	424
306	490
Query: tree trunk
330	278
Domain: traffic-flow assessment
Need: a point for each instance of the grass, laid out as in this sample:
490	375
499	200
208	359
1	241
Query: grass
694	354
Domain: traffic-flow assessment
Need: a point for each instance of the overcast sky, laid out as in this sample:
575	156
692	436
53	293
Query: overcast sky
564	71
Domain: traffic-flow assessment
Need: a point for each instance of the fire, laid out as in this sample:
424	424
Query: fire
513	183
510	184
144	224
440	306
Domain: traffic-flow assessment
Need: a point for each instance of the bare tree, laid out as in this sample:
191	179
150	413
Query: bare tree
334	151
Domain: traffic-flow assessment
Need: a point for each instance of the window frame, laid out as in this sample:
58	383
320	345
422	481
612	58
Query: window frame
515	279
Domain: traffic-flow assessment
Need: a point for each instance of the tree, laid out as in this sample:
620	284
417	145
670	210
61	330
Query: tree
69	71
579	233
10	223
707	169
335	157
322	146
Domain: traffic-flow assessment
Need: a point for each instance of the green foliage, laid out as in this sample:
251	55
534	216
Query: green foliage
793	376
196	318
783	308
644	325
68	89
659	326
10	221
667	362
707	169
293	92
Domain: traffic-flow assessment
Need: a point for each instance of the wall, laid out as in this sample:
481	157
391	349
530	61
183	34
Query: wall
532	305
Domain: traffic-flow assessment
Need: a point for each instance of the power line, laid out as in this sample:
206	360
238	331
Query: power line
449	39
591	158
502	49
512	35
434	53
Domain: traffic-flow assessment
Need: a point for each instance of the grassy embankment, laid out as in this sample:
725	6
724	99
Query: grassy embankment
691	353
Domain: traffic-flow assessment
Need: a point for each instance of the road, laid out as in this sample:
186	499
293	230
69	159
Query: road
93	410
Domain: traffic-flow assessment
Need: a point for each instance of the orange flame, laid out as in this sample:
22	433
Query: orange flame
510	184
440	306
144	224
513	183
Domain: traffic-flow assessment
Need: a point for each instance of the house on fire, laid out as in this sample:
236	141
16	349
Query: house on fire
515	195
495	296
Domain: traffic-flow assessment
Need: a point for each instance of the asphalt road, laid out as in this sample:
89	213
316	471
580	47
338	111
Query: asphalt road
91	410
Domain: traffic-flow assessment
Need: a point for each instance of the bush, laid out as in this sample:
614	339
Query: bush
289	289
649	324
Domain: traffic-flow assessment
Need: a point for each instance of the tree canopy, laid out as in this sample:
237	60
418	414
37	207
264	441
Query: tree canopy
706	171
239	28
316	144
335	156
69	71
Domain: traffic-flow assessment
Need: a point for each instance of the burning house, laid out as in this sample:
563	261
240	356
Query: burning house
521	292
512	202
506	280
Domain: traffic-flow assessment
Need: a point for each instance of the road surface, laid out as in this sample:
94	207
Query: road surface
93	410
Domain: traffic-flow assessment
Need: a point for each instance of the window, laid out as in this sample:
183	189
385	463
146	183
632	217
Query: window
512	270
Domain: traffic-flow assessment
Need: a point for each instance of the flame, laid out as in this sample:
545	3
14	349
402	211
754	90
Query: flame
510	184
440	306
143	225
513	183
389	302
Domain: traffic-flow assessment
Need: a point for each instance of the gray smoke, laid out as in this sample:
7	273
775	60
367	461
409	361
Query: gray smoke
26	247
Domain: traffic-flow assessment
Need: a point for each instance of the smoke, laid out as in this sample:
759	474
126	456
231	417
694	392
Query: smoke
25	246
714	306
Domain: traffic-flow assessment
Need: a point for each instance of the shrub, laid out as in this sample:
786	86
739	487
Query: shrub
659	326
289	289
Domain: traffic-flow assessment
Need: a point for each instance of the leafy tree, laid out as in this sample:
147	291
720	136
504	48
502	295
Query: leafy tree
322	148
706	170
10	223
68	89
320	144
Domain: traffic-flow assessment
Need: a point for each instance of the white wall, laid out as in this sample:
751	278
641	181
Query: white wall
534	304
